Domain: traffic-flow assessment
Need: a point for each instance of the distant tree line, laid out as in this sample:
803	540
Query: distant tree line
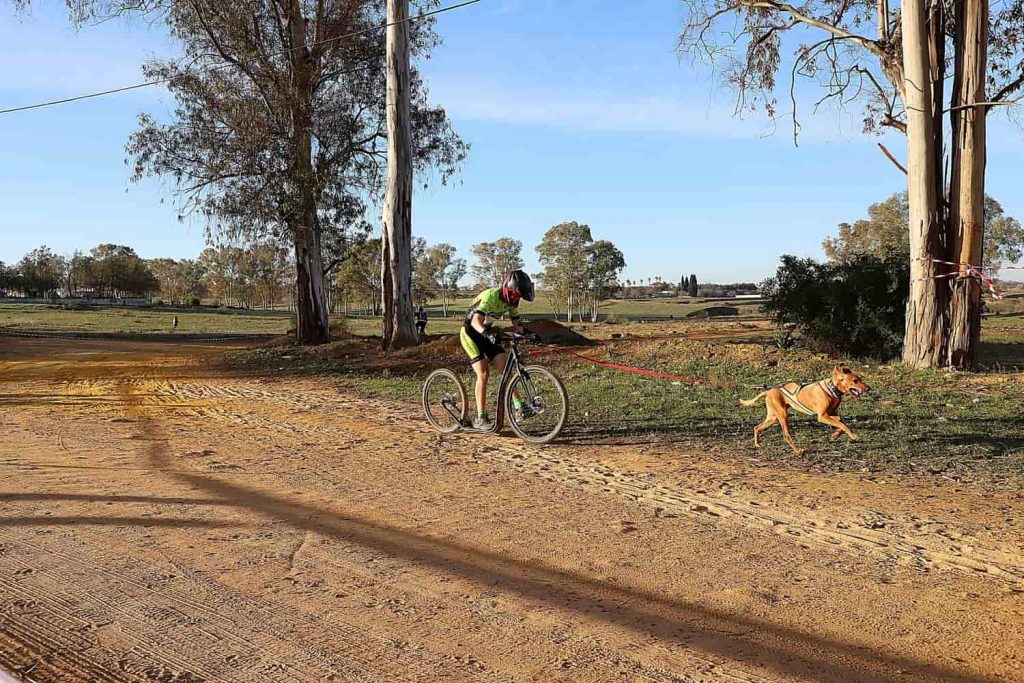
256	275
578	272
688	286
107	271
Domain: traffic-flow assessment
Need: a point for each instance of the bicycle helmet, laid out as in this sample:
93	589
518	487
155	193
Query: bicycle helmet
515	286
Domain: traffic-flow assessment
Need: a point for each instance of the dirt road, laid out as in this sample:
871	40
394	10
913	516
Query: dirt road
162	521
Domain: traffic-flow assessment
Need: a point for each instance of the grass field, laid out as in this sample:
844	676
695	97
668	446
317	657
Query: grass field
141	321
132	321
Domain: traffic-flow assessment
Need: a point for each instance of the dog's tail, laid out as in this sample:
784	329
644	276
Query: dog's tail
753	401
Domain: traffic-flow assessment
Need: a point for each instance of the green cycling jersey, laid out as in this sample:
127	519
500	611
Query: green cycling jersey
490	303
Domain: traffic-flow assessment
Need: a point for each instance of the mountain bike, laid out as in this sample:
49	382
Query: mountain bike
446	403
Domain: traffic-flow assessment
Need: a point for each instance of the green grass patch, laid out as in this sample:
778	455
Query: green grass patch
141	321
619	309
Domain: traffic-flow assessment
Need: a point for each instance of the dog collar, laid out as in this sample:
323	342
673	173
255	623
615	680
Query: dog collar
830	388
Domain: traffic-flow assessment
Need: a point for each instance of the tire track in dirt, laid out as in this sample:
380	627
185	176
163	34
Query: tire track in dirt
529	584
202	401
820	532
421	664
390	592
172	633
405	594
557	463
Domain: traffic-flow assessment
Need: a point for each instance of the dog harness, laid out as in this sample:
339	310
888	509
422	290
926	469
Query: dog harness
827	385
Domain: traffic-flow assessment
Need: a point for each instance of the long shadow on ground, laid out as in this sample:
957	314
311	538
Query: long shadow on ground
711	630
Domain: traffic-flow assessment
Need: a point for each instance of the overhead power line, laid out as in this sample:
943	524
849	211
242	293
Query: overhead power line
147	84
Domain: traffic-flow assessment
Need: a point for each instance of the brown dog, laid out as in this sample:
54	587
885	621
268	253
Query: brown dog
813	398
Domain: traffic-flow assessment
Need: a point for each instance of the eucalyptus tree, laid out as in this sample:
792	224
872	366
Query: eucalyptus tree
895	60
279	127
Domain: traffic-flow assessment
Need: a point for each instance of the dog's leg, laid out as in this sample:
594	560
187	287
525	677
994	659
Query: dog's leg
769	420
784	423
834	421
835	434
780	409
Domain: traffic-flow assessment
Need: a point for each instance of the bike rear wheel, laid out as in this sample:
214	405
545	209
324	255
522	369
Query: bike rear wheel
543	393
444	401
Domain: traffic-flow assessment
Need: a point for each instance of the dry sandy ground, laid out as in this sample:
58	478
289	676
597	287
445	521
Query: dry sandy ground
163	521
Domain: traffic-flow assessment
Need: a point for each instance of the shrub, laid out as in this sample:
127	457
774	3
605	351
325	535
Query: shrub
856	307
192	301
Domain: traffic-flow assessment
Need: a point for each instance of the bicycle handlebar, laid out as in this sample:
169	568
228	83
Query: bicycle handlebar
515	336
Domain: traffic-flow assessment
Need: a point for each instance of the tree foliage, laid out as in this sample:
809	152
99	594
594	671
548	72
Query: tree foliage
440	266
884	233
849	48
854	307
227	148
577	271
115	270
243	276
109	270
357	280
494	259
39	273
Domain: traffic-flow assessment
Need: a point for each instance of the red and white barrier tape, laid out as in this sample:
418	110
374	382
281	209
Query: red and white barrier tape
970	271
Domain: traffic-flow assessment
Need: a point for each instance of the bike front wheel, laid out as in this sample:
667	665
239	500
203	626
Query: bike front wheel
545	405
444	401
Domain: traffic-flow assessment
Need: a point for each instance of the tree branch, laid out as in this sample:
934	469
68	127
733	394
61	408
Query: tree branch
987	105
871	45
887	153
1008	89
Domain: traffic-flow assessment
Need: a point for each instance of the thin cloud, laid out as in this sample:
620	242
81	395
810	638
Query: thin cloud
669	113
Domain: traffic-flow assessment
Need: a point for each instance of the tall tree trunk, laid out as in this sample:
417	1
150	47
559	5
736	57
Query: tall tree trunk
312	325
396	242
923	341
967	184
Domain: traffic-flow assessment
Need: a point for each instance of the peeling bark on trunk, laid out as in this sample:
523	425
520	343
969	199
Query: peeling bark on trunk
396	242
967	184
312	325
926	305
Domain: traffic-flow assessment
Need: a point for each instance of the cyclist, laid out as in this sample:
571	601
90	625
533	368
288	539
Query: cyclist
481	349
421	323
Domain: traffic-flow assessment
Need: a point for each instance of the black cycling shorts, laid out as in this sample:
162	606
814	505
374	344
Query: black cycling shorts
477	346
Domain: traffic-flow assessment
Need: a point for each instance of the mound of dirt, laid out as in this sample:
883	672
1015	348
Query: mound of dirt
714	312
552	332
440	346
287	339
447	346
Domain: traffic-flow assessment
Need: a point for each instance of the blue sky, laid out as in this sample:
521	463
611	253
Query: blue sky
575	111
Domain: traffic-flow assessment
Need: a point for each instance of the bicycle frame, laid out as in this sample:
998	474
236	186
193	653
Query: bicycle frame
513	367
